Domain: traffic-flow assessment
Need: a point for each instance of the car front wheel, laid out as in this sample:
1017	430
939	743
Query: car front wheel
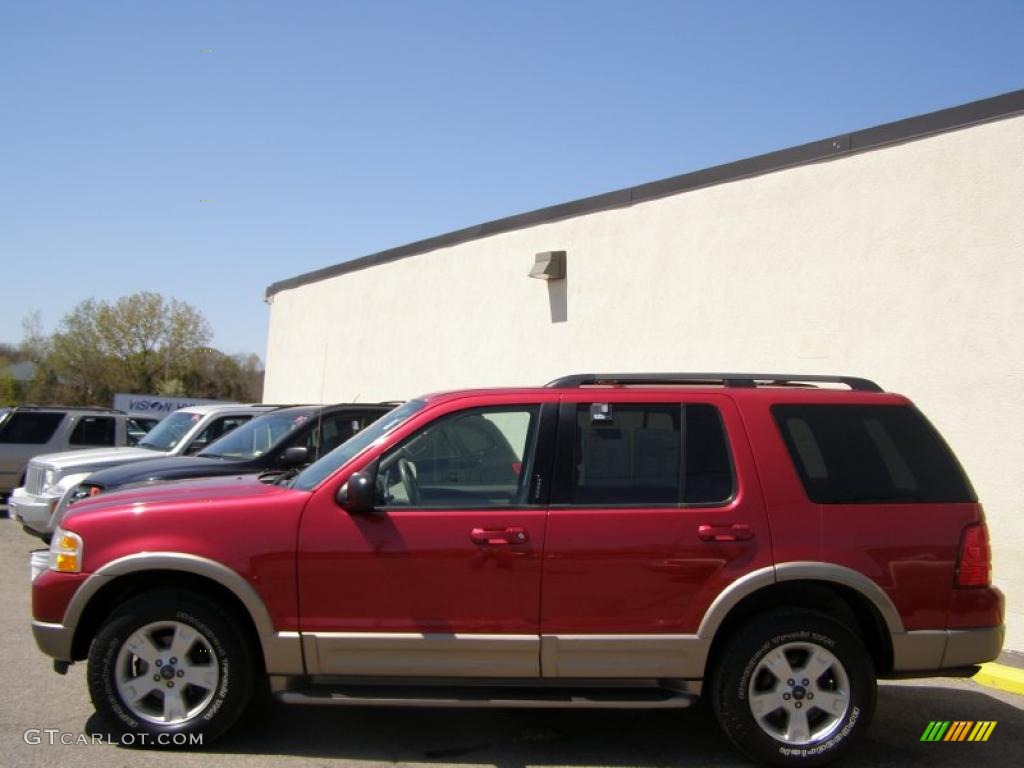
794	689
170	669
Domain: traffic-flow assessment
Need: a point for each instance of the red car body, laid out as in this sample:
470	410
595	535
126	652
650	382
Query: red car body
556	590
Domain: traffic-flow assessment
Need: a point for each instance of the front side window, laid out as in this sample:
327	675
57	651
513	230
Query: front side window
137	428
216	430
644	454
29	427
94	430
870	454
471	459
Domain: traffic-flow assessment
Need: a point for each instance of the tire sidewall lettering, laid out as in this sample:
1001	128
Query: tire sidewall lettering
820	749
223	662
109	666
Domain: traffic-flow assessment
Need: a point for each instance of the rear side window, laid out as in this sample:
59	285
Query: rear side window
870	454
632	454
28	427
93	430
330	431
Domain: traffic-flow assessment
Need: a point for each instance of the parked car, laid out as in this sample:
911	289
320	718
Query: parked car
606	541
28	431
275	442
50	478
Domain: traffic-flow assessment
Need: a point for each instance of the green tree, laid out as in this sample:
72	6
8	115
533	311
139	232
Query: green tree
217	375
141	343
8	389
8	386
129	345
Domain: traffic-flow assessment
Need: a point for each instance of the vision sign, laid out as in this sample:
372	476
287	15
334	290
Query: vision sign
155	405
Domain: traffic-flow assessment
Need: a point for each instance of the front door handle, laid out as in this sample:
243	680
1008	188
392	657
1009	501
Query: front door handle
498	536
734	532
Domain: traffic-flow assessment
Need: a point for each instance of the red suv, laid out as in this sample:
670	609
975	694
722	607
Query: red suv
776	542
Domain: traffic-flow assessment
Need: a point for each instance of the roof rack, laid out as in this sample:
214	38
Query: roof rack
35	407
725	379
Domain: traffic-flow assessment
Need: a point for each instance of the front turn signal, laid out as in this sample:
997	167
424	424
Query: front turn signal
66	552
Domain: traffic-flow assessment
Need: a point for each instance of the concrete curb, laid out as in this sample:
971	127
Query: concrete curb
1002	677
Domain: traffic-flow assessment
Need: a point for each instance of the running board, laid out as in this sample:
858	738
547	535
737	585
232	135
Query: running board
503	697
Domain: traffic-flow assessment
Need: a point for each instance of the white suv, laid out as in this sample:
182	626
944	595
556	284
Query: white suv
50	477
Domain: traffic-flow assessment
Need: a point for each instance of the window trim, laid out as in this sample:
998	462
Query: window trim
541	467
566	440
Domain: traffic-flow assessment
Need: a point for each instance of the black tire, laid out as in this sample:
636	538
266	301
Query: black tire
775	736
209	711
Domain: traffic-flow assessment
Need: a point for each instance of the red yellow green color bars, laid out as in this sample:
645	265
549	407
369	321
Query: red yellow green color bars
958	730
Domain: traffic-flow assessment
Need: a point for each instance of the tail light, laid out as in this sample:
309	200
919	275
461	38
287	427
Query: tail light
974	565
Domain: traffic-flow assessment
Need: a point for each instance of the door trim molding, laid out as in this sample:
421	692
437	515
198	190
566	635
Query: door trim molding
422	654
623	656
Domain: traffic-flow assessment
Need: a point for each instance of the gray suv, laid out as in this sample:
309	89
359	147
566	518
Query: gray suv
27	431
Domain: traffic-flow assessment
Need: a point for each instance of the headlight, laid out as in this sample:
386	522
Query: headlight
65	551
83	492
49	479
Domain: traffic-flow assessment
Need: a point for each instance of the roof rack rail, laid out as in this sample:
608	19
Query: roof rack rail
37	407
726	379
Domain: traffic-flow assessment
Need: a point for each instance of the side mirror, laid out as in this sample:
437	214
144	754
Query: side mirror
357	495
294	456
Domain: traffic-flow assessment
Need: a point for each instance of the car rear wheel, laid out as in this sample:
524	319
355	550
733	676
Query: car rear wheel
167	667
794	689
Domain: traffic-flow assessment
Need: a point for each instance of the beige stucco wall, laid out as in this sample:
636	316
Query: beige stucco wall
902	264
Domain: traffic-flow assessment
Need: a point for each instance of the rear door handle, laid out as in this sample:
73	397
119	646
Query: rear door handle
498	536
734	532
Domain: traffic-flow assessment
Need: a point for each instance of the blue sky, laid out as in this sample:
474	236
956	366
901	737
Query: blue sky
325	131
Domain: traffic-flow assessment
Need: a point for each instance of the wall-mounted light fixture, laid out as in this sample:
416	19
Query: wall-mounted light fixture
549	265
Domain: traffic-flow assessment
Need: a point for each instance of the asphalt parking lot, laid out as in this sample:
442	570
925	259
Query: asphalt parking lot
32	696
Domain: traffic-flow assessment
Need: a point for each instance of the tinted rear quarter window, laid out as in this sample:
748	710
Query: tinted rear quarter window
30	428
870	454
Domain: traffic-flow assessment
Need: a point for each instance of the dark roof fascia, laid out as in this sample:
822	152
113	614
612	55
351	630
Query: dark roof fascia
900	131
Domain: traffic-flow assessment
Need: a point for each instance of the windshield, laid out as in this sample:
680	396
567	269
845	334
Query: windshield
312	475
168	433
255	438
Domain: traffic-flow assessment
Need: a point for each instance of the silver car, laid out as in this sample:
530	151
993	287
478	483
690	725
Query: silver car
50	478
